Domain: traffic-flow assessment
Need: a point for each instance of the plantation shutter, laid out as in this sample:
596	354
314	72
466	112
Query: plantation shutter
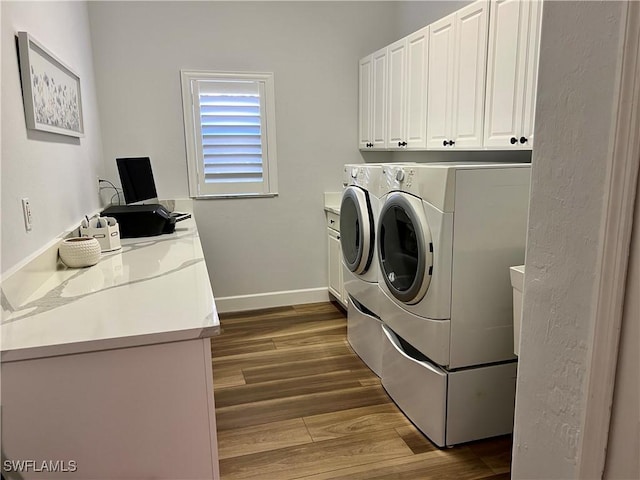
231	140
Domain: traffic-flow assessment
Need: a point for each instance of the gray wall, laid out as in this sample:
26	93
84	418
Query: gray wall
252	246
57	173
412	16
575	109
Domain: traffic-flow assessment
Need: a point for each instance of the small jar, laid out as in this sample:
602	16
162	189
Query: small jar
79	252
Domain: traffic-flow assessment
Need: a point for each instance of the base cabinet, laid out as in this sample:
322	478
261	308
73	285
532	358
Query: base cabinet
139	412
336	280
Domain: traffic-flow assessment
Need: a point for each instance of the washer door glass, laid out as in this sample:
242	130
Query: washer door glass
356	229
404	250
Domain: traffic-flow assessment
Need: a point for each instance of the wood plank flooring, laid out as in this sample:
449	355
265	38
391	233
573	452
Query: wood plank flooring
294	402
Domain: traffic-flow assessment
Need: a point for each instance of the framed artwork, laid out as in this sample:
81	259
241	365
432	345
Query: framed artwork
50	90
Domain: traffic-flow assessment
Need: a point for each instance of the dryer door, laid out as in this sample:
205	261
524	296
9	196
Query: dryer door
357	231
405	247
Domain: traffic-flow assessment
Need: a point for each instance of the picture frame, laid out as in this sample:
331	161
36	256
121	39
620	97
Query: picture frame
50	90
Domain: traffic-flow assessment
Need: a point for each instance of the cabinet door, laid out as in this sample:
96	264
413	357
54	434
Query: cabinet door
471	33
505	73
364	103
416	81
396	119
379	96
335	264
512	72
440	82
531	76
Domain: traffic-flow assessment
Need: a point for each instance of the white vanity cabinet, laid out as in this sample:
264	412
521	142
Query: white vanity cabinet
512	72
372	129
336	282
407	91
456	79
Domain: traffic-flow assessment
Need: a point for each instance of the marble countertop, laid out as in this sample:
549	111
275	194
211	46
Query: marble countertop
155	290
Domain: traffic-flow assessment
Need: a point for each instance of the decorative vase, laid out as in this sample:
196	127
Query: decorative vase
79	252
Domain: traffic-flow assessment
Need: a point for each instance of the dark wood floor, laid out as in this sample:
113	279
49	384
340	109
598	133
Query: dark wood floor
294	402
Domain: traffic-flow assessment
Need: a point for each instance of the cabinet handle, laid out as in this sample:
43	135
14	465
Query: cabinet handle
399	144
452	143
523	140
513	140
338	237
332	222
404	144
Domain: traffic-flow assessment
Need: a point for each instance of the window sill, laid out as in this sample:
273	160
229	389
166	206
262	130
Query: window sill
235	195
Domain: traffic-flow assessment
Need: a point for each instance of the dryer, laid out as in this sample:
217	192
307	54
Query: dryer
359	211
447	235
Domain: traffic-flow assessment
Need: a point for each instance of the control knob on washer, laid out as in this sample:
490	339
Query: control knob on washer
354	172
400	175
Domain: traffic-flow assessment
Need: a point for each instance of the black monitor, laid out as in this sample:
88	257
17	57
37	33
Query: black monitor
137	182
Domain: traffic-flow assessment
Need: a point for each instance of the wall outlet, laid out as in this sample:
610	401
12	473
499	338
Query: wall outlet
26	211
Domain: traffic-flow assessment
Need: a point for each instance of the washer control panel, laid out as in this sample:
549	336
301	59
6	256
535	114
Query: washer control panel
397	178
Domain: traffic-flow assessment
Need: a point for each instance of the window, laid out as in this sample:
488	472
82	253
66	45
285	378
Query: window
230	133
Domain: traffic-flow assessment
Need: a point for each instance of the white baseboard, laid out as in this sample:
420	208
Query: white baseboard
257	301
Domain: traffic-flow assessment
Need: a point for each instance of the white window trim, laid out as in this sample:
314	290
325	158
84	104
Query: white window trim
192	131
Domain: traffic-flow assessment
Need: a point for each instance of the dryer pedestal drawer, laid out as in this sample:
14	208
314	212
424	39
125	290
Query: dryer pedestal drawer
364	333
449	407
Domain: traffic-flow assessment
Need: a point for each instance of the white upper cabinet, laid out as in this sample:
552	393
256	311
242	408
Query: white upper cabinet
407	91
456	79
372	102
397	94
393	95
514	38
416	85
365	135
471	67
379	98
440	82
467	81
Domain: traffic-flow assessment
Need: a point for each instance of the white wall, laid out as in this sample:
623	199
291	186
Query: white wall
57	173
575	107
252	246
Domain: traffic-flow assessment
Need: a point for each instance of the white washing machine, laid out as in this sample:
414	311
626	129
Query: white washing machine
359	211
447	235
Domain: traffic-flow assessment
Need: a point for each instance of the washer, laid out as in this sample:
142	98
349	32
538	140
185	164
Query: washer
359	211
447	235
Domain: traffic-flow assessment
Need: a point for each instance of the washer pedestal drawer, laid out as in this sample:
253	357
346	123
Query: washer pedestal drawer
364	332
448	407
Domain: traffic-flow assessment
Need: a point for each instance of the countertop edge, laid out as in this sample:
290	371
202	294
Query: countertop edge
31	353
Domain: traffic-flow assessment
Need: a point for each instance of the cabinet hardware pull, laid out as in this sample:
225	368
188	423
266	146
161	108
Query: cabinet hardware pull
451	142
399	144
332	222
338	237
523	140
513	140
445	143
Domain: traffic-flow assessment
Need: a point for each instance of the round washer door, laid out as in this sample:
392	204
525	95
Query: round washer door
405	247
356	229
